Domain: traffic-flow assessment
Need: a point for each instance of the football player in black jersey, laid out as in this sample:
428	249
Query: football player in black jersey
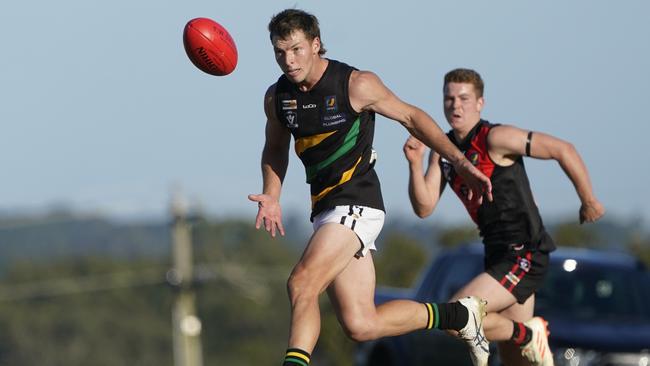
329	108
516	244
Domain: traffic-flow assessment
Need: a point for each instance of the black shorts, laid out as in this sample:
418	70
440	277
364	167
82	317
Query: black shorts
519	269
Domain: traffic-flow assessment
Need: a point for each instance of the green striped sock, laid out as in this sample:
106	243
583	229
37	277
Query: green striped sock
433	317
296	357
446	315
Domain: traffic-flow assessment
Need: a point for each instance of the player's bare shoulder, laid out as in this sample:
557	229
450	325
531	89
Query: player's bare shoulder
365	88
362	80
506	142
504	133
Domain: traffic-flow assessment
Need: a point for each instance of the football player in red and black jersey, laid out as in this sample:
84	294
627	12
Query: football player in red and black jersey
516	244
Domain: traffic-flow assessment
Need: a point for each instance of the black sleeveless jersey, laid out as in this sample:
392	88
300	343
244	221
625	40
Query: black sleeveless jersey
512	217
332	140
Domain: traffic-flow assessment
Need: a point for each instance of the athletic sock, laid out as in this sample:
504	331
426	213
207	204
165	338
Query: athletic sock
296	357
451	315
521	334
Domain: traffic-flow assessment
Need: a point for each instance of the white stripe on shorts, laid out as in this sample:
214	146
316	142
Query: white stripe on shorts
366	222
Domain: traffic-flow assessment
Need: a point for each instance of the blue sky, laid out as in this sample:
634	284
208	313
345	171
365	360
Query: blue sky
102	111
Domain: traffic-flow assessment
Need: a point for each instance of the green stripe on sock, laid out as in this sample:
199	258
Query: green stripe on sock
437	320
296	361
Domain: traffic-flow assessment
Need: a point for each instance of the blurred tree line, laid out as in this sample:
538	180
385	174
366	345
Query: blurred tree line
108	308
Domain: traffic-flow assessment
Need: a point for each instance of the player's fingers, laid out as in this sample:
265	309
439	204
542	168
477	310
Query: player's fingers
280	228
255	197
412	142
267	224
487	188
488	194
258	219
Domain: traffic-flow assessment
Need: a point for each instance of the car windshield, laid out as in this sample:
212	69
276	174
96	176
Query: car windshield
589	292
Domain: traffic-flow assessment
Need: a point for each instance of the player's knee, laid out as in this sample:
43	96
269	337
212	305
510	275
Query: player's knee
360	329
300	286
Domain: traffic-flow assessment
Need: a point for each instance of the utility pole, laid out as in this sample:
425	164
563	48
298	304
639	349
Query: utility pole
186	325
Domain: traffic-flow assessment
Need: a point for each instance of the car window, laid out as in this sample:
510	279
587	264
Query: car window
449	276
595	292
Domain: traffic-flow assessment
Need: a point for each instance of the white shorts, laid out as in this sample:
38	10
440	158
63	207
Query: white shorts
366	222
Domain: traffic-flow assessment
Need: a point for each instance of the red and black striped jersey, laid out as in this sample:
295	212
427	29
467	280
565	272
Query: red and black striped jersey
512	217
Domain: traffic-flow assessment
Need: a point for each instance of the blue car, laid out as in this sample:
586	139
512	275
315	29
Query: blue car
597	304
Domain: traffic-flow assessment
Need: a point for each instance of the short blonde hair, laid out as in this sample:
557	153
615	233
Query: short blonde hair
465	76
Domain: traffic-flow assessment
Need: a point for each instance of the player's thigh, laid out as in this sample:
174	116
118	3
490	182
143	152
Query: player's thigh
330	249
352	291
487	288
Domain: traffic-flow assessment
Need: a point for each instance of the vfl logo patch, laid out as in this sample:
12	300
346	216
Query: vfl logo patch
292	119
289	104
524	264
330	104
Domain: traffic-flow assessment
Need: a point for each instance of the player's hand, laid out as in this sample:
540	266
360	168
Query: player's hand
591	211
269	213
414	150
479	184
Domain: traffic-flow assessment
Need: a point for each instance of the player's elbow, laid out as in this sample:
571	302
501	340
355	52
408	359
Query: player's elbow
410	117
566	151
423	211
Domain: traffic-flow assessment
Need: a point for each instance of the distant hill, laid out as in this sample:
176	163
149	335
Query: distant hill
65	235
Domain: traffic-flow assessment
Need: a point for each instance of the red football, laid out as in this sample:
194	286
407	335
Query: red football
209	46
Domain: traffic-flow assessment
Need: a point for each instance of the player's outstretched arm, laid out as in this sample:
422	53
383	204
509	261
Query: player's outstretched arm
367	92
275	158
509	141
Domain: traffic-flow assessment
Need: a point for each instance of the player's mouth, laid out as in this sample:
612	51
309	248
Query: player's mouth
293	72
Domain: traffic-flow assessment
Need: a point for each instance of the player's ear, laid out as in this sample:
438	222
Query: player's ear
480	103
315	45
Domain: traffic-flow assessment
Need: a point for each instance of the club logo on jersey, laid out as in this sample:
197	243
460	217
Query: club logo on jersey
289	104
524	264
472	156
292	119
330	104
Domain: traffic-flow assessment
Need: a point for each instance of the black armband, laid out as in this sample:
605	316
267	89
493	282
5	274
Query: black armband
530	136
